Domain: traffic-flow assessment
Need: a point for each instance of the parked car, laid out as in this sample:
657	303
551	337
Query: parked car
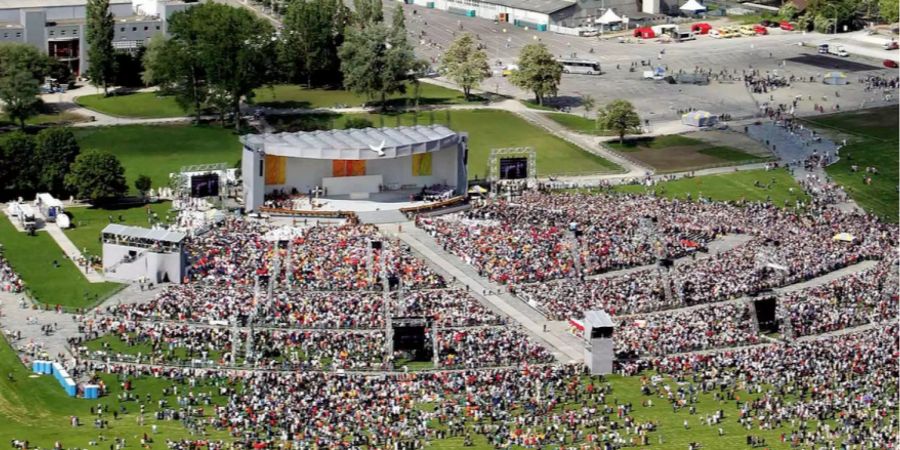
890	64
760	30
786	26
892	45
746	30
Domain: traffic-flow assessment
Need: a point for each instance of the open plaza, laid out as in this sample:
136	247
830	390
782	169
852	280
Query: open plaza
280	237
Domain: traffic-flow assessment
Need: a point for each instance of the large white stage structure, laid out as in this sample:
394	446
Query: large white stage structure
353	164
135	253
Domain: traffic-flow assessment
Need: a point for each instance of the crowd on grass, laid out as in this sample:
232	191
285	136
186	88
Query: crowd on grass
335	258
784	246
9	279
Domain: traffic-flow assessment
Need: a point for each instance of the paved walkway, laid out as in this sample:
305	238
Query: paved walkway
558	340
72	252
15	319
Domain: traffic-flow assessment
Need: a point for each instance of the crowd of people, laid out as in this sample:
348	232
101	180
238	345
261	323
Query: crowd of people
9	279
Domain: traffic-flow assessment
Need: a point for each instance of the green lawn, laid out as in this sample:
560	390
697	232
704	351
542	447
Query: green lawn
534	105
730	187
158	150
293	96
578	124
487	128
89	221
37	409
32	258
872	142
656	143
146	105
45	117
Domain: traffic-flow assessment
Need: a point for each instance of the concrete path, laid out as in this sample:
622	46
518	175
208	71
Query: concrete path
558	340
72	252
14	319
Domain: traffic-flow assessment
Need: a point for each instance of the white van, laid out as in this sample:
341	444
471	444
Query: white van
682	36
715	34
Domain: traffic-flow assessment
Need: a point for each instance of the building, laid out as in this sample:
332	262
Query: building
57	27
135	253
356	164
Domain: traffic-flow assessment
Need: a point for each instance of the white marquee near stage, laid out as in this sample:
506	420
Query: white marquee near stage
353	164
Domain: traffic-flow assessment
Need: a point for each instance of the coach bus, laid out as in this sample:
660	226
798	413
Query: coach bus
582	66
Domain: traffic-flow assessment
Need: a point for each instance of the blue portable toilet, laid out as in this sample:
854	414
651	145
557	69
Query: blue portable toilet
91	391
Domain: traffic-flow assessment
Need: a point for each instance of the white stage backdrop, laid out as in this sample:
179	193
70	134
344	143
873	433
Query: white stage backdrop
348	185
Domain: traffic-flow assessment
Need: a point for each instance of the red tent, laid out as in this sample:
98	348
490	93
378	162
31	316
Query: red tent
644	33
700	28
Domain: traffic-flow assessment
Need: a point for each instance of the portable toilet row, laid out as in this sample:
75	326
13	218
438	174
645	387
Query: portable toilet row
91	391
42	367
62	376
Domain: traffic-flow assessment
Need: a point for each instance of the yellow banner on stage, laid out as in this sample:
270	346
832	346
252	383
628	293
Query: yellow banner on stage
421	165
348	168
276	167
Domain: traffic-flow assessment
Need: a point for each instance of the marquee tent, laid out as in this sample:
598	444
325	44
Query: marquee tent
608	17
699	119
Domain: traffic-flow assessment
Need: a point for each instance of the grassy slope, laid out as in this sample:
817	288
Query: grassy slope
148	105
90	221
487	129
578	124
293	96
730	187
32	257
157	151
873	142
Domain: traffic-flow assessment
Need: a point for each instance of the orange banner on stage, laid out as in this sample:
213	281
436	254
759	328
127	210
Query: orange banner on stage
348	168
421	165
276	167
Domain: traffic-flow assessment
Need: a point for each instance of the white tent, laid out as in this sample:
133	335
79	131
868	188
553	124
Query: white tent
608	17
699	119
692	6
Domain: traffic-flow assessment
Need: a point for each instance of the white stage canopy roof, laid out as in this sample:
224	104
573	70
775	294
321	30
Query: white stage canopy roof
693	6
354	144
153	234
608	17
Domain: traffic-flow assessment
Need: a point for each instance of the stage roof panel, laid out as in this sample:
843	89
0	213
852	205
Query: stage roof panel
366	143
144	233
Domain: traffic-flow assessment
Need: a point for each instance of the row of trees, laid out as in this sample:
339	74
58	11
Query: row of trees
828	16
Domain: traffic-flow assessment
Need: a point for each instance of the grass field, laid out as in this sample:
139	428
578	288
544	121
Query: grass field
46	117
145	105
157	151
37	409
872	142
734	186
293	96
676	153
578	124
32	258
487	129
89	221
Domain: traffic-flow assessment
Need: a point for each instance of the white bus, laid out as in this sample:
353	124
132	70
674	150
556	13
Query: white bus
583	66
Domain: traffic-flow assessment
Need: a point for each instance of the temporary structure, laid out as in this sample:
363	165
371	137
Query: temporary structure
836	78
692	6
644	33
699	119
701	28
608	17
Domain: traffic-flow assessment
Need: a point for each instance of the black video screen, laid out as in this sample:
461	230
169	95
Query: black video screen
513	168
409	338
206	185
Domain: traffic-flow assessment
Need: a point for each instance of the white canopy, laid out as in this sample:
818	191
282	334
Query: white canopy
608	17
692	6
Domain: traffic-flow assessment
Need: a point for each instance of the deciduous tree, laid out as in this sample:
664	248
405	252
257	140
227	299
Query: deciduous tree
465	64
97	176
619	116
376	61
538	72
100	32
56	150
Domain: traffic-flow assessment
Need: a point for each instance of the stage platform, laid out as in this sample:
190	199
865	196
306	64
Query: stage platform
378	201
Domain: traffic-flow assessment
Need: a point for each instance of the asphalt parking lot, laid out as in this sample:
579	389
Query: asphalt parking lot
778	53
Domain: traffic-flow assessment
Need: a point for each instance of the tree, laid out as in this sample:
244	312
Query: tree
100	32
17	169
313	31
889	10
368	11
19	94
538	72
175	67
97	176
56	151
464	64
142	184
619	116
357	122
376	61
22	69
588	103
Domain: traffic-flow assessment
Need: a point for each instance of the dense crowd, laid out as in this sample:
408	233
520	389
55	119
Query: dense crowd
317	257
504	242
856	299
199	303
9	279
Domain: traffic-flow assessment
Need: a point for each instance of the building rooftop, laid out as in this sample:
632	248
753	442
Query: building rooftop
368	143
144	233
541	6
597	319
22	4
